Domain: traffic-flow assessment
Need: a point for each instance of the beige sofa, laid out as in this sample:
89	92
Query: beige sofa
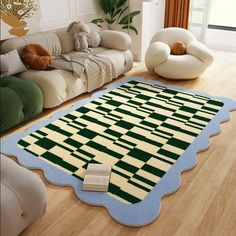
58	85
23	197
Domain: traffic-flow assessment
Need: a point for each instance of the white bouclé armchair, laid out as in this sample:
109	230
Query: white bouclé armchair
190	65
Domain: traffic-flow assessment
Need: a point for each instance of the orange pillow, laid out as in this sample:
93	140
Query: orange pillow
36	56
178	48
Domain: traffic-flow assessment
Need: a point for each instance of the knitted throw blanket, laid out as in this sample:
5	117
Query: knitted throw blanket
97	68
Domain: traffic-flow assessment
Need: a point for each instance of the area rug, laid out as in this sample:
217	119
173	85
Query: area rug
148	131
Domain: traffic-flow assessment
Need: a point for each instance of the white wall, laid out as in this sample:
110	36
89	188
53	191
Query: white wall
221	39
153	21
147	23
60	13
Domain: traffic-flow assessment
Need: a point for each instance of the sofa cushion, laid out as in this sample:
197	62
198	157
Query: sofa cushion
20	101
49	40
67	42
58	86
94	39
115	40
116	56
11	64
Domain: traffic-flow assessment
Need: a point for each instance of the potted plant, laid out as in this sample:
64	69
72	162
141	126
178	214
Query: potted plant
116	12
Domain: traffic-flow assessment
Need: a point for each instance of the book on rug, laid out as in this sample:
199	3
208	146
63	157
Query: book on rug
97	177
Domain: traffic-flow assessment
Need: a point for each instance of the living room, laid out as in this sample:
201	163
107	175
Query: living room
110	106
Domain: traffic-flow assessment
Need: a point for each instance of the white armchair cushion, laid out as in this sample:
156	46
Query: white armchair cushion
177	67
200	51
156	54
115	40
172	35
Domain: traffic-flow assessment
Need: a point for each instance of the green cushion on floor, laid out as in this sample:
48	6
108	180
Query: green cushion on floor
20	101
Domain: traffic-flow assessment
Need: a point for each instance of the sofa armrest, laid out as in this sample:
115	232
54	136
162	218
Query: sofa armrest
23	197
115	40
200	51
54	90
156	54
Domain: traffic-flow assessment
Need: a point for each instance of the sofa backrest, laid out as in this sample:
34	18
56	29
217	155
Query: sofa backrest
59	41
56	41
67	42
48	39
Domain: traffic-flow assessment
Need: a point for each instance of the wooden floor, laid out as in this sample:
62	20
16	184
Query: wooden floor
205	203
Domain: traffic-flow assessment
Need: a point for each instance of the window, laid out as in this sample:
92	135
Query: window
222	15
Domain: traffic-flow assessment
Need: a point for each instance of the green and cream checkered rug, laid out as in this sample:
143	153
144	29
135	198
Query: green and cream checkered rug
139	128
147	131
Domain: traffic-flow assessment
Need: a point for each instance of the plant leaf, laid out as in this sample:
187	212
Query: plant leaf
109	21
106	5
115	3
128	19
121	13
117	12
112	12
131	28
121	3
97	21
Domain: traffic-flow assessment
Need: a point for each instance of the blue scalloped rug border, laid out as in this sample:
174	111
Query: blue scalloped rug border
141	213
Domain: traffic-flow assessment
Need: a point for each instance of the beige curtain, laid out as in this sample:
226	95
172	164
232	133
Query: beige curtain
177	13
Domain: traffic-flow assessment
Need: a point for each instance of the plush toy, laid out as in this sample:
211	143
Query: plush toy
79	31
36	56
94	39
178	48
